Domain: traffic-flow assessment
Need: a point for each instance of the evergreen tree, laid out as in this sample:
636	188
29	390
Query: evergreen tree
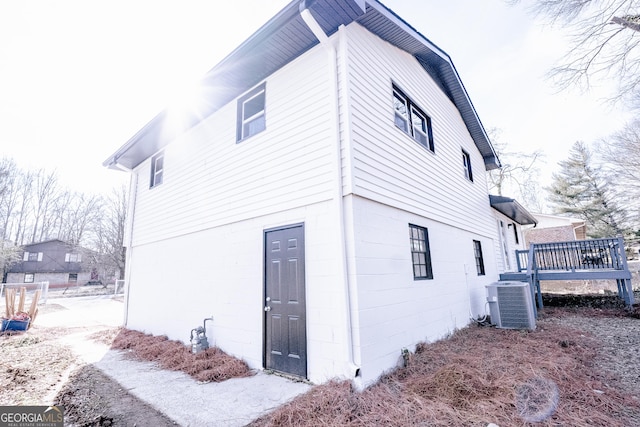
580	190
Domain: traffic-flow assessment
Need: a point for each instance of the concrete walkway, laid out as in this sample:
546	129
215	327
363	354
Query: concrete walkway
234	402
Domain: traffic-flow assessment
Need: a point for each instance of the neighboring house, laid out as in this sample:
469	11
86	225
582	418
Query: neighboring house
54	261
327	204
554	228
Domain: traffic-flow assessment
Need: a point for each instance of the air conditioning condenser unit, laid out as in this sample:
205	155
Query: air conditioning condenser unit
511	305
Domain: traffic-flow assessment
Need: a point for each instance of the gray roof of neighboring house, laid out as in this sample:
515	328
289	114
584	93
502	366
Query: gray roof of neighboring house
512	209
285	37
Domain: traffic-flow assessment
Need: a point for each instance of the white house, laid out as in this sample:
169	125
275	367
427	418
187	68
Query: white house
326	202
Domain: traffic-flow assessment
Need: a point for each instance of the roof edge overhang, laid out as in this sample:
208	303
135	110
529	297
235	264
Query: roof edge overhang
223	83
439	65
512	209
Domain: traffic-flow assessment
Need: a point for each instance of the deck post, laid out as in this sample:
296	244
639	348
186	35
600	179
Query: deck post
532	278
537	282
628	292
625	287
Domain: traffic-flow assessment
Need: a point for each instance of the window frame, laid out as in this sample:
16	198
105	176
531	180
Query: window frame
417	250
410	128
73	279
157	173
479	257
466	164
32	275
73	257
242	121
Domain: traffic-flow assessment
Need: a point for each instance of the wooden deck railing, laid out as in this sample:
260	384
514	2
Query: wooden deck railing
594	259
595	254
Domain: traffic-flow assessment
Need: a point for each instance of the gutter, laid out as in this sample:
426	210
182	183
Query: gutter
318	32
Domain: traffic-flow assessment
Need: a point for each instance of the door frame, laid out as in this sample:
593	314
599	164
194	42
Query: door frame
264	288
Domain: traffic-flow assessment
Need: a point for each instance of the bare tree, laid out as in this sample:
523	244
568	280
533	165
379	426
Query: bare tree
8	194
83	217
21	215
34	207
518	176
9	252
45	188
605	37
621	156
109	238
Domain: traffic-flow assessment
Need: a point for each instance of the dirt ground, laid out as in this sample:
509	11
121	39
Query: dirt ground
39	367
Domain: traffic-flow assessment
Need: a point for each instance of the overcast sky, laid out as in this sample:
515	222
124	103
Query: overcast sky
78	78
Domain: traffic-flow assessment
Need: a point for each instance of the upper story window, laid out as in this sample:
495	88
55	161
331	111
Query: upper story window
420	253
157	170
251	117
32	256
466	164
72	257
412	120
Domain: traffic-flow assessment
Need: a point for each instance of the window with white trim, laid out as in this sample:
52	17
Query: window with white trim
157	170
466	164
28	277
412	120
251	113
32	256
70	257
73	278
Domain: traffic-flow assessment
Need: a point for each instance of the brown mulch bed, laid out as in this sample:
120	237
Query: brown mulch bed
211	365
577	369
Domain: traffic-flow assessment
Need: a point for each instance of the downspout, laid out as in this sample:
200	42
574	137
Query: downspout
133	186
319	33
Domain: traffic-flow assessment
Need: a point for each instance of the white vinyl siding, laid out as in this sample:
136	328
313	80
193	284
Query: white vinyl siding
215	181
389	167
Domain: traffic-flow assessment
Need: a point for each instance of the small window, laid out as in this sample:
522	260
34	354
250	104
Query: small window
477	247
412	120
33	256
157	170
466	164
420	254
73	277
28	277
251	116
73	257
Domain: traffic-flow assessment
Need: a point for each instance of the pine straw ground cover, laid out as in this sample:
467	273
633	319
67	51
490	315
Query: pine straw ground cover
211	365
480	375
